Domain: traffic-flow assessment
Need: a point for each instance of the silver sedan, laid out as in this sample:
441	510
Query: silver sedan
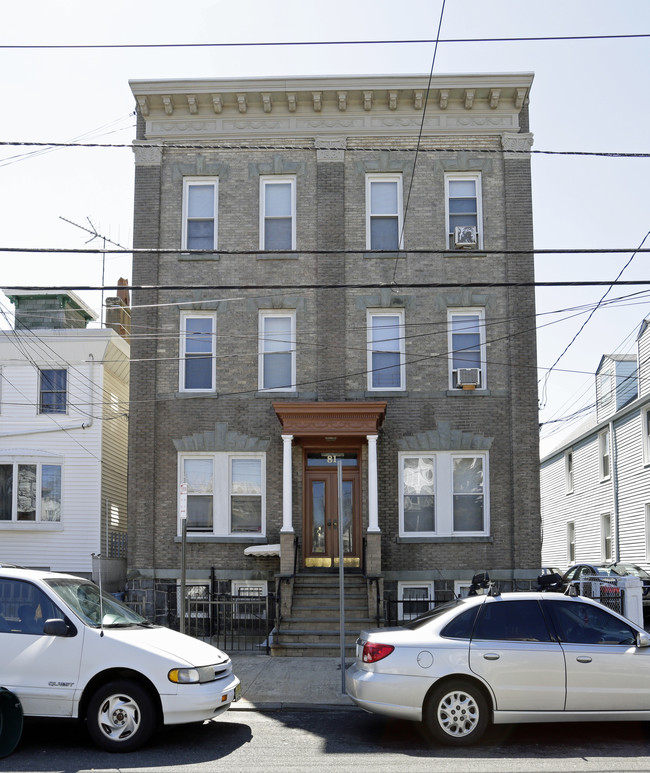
516	657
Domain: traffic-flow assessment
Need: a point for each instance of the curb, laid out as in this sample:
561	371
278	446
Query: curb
244	705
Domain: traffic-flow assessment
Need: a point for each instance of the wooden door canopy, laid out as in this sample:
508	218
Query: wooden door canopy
340	419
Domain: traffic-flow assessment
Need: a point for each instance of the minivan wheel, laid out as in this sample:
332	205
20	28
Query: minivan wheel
121	716
456	713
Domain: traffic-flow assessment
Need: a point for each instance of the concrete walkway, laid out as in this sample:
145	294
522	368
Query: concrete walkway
289	683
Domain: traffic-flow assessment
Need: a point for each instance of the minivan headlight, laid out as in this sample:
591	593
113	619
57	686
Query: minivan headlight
192	675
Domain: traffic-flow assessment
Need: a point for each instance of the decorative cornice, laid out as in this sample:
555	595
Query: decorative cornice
517	144
147	156
444	438
349	419
221	439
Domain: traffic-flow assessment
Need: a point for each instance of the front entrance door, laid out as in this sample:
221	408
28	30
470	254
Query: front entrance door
322	510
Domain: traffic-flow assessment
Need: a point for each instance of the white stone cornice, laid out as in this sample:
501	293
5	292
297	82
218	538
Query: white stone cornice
192	104
242	104
217	103
495	94
267	104
469	98
418	100
444	99
367	100
143	104
343	100
292	102
318	101
520	96
147	156
518	144
168	105
392	100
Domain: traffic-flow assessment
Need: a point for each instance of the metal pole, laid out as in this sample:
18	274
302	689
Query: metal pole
183	515
339	480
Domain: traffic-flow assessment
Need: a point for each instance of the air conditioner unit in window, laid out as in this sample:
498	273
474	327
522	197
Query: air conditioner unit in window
465	236
468	378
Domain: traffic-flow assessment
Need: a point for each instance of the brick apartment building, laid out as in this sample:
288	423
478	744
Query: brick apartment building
331	264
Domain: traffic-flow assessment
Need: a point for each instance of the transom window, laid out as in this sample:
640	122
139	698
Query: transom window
225	493
200	214
197	352
386	363
383	212
30	492
54	390
277	213
443	494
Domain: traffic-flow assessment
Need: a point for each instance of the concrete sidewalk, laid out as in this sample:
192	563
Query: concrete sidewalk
289	683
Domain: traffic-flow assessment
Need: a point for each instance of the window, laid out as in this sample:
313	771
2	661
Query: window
277	213
277	351
463	201
466	348
571	542
580	623
568	472
386	365
603	453
414	599
443	494
384	212
225	493
54	390
606	387
200	214
24	608
647	532
645	434
606	553
30	492
198	350
511	621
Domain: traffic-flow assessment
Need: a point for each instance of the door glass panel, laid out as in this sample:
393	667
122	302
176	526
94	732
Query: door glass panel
318	516
347	516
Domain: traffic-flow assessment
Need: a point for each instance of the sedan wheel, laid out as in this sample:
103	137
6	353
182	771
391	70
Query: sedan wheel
121	717
456	713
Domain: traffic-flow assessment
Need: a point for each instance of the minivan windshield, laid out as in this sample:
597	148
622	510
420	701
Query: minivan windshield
94	608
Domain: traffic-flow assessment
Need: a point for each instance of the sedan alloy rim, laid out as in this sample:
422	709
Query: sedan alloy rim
458	713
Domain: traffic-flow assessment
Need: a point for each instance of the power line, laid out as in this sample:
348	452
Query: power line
304	43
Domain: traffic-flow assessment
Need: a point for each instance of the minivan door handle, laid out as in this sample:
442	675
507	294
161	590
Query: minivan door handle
583	659
491	656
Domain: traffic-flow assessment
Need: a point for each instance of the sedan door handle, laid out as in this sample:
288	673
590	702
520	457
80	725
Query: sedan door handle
583	659
491	656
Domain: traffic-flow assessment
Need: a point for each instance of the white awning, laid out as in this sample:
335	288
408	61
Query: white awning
262	550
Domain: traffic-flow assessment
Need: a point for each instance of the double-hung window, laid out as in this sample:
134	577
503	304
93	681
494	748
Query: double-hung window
200	207
604	455
53	390
30	492
384	212
606	543
277	351
467	348
645	434
444	494
386	362
277	213
571	542
464	211
414	599
197	352
225	493
568	472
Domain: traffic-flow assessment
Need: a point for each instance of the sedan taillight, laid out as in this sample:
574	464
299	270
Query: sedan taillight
373	652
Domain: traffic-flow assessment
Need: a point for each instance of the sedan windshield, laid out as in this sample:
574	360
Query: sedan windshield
94	608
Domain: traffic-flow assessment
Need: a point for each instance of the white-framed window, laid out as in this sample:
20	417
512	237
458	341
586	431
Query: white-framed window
461	588
466	345
30	491
277	351
225	493
384	209
570	543
277	213
200	213
568	471
444	493
604	458
606	390
645	434
53	390
386	360
647	532
197	362
414	599
463	208
606	542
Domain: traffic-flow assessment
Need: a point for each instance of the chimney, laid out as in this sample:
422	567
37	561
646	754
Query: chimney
118	310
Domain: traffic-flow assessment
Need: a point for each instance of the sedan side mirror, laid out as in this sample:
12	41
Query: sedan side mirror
642	640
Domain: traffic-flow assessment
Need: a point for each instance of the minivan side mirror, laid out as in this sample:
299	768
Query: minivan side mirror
55	627
642	640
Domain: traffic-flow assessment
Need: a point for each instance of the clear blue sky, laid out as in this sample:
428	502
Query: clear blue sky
587	95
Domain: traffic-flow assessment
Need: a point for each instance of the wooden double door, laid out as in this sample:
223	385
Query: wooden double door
321	509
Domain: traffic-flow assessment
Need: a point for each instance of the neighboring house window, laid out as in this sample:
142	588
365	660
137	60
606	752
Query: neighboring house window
463	202
277	213
30	492
383	212
606	553
647	533
568	472
645	434
225	493
54	391
198	350
606	387
414	599
467	348
277	351
200	213
386	364
571	542
603	454
444	494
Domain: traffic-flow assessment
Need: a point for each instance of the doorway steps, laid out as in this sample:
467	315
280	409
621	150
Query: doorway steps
313	628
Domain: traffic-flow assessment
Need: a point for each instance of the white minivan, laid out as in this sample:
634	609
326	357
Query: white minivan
67	650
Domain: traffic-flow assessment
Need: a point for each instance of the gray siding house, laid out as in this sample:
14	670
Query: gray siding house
595	486
322	273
